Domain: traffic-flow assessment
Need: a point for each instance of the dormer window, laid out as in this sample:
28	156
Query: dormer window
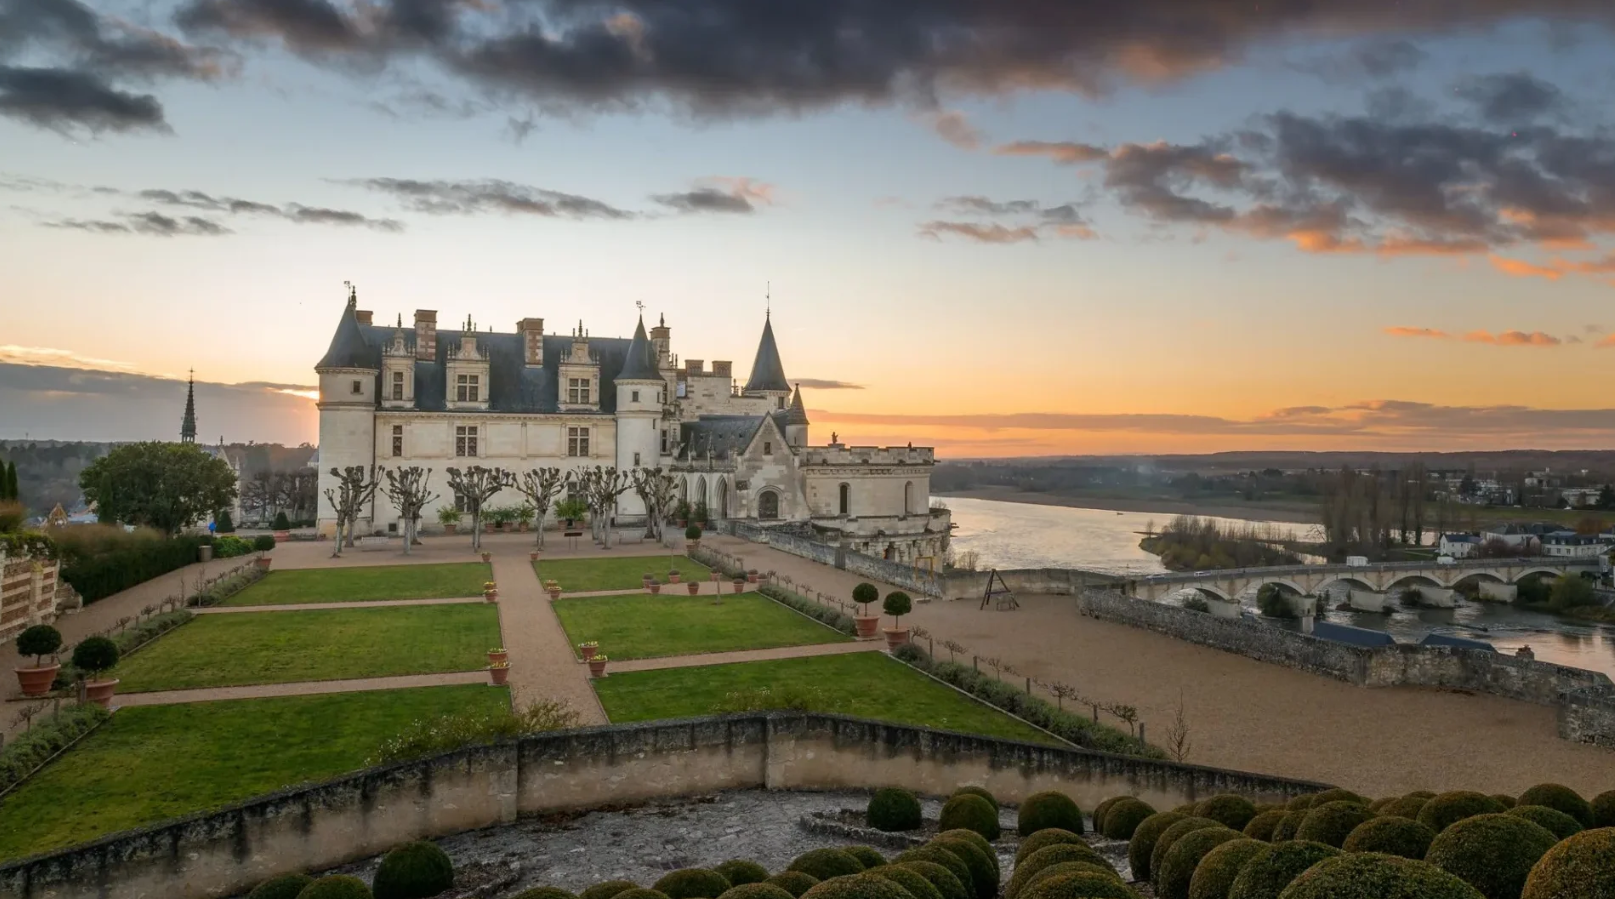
577	390
467	388
398	385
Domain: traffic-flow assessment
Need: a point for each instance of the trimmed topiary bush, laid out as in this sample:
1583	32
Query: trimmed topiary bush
1582	866
1560	798
1374	876
1505	800
983	867
336	886
1492	853
856	886
1070	868
1124	817
893	810
1179	864
1048	809
911	881
826	863
1390	836
973	790
937	855
1445	809
757	890
1100	810
1262	826
608	889
971	812
975	839
1052	836
1081	886
1604	809
640	893
693	883
795	882
1554	821
1331	822
867	856
1048	857
1142	843
1378	804
1338	795
544	893
939	876
413	871
286	886
1227	809
1268	872
1216	872
740	871
1286	828
1163	843
1300	803
1405	807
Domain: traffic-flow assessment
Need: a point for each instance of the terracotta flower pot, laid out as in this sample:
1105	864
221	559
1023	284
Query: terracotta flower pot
694	587
896	636
282	535
696	543
589	652
487	557
655	587
533	556
490	595
715	576
597	667
555	594
499	676
37	681
672	577
264	562
450	529
751	577
868	626
497	657
740	584
100	692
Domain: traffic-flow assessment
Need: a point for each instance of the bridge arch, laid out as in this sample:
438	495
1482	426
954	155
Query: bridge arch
1207	591
1477	576
1414	580
1537	570
1289	586
1350	581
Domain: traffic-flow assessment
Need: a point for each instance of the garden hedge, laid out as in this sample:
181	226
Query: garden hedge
1390	835
1179	863
867	856
817	611
286	886
693	883
910	880
1288	825
757	890
971	812
1123	818
938	855
1049	808
1560	798
1445	809
1556	822
105	573
336	886
1081	886
1163	843
946	882
1142	843
608	890
740	871
1216	872
1299	803
21	755
1100	810
893	810
1603	806
974	790
1379	804
1228	810
413	871
1048	857
1262	826
1374	876
1405	807
983	866
1582	866
1505	800
1331	822
795	882
856	886
1052	836
1492	853
1268	872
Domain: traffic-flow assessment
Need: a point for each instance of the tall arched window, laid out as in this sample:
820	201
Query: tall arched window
768	505
908	497
846	499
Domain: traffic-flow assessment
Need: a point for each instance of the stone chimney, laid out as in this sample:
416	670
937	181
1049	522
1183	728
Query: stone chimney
363	315
722	369
426	334
532	332
694	366
661	337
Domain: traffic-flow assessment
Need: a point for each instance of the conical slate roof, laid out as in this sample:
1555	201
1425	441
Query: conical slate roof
348	347
766	371
640	364
796	414
187	425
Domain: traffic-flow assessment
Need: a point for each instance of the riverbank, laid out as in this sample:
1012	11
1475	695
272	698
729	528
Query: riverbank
1294	514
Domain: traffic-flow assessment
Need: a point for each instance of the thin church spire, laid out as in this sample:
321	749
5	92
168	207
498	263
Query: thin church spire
187	425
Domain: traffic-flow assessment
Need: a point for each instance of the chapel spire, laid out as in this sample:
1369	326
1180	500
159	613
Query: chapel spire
187	425
767	372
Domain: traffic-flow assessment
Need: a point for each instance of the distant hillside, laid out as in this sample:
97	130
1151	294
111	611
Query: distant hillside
1481	460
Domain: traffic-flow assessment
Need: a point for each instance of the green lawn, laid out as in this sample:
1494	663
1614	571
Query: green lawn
326	644
864	684
152	763
618	573
642	626
365	584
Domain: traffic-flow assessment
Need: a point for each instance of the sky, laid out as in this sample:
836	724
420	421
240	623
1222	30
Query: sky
1000	227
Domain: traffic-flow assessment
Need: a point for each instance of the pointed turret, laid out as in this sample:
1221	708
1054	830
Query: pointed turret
641	362
348	347
796	420
187	425
767	373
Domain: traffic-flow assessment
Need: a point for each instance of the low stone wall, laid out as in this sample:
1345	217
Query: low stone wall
1483	672
1588	716
314	828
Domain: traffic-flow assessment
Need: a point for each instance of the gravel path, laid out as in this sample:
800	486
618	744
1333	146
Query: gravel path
542	665
301	688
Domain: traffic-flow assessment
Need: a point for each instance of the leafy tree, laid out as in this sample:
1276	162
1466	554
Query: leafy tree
8	482
1570	591
282	523
897	604
864	594
1606	497
168	486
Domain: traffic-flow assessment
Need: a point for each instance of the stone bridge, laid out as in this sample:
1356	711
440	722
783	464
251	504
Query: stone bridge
1368	584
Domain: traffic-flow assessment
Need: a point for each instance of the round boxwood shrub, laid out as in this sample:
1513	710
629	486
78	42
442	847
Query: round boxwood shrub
1378	804
335	886
1561	798
937	855
867	856
544	893
973	790
1405	807
975	839
971	812
608	890
893	810
39	641
795	882
1070	868
910	880
1331	822
694	883
413	871
96	655
1374	876
1216	872
826	863
1081	886
856	886
1556	822
1262	826
1100	810
1505	800
1389	835
1124	817
983	867
1227	809
1048	857
940	876
740	871
1179	864
1492	853
286	886
1048	809
1287	828
1142	843
1580	866
1440	813
757	890
1268	872
1338	795
1163	843
1604	809
1300	803
1052	836
640	893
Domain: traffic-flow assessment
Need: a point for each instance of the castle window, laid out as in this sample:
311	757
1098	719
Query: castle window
768	448
636	460
664	442
768	505
398	385
780	401
577	390
577	441
358	388
466	388
465	440
636	396
846	499
398	440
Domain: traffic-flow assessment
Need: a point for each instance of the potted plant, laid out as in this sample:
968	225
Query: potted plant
553	588
38	641
672	575
868	624
693	535
495	656
588	649
96	657
487	556
681	513
263	543
532	555
739	582
646	578
700	516
499	673
655	586
897	604
597	666
570	510
694	587
524	516
490	591
449	517
751	575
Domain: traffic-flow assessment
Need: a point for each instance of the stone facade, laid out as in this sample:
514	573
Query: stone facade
27	593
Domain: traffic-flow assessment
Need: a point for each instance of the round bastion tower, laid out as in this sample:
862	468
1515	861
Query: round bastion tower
348	373
639	412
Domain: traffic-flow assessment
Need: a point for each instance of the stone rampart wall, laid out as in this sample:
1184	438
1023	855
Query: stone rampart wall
1588	716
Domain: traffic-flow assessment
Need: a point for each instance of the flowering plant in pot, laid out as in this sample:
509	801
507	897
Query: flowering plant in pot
897	604
38	641
499	673
497	655
487	556
751	575
597	666
553	588
672	575
693	586
589	648
868	624
490	591
96	657
532	555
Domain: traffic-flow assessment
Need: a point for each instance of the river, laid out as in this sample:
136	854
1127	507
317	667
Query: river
1024	535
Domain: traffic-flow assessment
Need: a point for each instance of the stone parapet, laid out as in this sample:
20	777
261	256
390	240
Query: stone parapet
837	454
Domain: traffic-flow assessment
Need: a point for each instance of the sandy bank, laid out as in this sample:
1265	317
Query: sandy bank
1151	506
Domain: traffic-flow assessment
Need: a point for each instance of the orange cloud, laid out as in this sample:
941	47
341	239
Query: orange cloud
1519	268
1400	331
1606	342
1513	338
1062	152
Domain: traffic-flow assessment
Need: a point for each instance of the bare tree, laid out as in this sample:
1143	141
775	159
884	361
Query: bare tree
1126	714
1177	733
355	486
1061	692
953	647
475	486
406	487
541	486
600	486
656	489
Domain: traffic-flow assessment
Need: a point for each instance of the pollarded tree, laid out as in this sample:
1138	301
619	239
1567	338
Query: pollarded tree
168	486
541	486
656	489
406	487
600	486
354	487
475	486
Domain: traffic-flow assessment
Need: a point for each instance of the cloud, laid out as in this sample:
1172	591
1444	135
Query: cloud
1515	98
821	384
1502	338
1064	152
953	127
291	212
60	99
1035	221
1367	60
478	197
1522	269
990	232
1417	332
41	355
157	223
734	195
151	223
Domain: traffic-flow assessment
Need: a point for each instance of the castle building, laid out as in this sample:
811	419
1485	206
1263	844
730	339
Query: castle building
396	396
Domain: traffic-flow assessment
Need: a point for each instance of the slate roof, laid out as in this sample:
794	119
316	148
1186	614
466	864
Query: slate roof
639	363
1459	642
1352	636
349	346
724	435
767	372
796	414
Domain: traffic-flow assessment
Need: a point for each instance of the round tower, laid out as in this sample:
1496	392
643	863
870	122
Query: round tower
348	374
639	413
